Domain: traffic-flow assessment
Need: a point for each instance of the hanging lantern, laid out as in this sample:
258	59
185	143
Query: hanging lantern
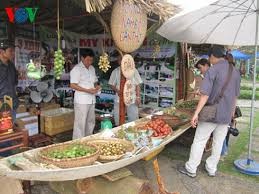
128	25
6	123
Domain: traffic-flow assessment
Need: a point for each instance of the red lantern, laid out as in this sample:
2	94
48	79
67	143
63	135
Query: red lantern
6	123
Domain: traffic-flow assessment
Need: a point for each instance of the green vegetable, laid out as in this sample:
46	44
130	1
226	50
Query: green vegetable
72	151
187	104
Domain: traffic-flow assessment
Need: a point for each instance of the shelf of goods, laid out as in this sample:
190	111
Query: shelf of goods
127	144
158	89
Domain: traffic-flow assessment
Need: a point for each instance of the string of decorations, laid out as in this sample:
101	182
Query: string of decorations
59	59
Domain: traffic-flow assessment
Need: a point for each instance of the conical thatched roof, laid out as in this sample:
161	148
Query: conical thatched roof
161	8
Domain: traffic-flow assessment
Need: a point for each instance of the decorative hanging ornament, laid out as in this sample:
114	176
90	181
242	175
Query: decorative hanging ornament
128	66
59	62
104	63
128	93
128	25
35	70
59	59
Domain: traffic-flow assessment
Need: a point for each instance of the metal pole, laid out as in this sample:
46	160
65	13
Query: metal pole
254	90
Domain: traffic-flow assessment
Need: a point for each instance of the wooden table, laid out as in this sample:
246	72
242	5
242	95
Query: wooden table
18	139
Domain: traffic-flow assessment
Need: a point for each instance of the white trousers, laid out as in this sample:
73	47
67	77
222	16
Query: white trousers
132	113
84	120
202	135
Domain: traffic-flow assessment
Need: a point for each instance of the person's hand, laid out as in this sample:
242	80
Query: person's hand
98	87
194	121
197	92
118	92
92	90
233	115
138	101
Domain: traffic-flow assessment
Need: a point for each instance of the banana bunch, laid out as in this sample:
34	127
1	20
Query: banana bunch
59	62
156	49
104	63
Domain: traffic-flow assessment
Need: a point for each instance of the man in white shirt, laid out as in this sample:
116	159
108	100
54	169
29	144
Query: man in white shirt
114	82
83	80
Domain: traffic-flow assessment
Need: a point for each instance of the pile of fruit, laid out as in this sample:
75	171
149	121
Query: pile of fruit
104	63
191	104
160	127
112	149
72	151
59	62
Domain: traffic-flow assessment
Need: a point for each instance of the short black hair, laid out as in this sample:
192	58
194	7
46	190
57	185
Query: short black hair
86	52
6	43
202	62
217	51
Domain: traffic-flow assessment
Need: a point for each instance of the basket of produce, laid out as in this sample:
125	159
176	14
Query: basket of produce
69	155
173	121
112	149
188	104
160	128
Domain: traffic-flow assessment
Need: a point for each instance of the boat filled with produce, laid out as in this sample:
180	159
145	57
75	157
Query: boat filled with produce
99	153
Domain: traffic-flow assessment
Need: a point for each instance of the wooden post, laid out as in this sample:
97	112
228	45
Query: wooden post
122	105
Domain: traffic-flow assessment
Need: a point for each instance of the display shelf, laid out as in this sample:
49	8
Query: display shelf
156	93
103	111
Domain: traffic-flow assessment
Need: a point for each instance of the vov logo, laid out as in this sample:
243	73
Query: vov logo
21	15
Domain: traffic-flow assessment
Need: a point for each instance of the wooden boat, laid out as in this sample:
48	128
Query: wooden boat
58	174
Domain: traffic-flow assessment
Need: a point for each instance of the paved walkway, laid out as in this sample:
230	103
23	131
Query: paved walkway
247	103
174	181
249	83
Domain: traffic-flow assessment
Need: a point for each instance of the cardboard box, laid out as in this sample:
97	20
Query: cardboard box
21	108
29	123
57	121
44	107
22	115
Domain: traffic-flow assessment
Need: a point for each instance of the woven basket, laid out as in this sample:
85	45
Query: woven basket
128	26
172	121
99	142
70	162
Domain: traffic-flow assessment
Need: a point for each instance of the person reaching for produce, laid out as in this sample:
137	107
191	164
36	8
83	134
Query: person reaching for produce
202	65
220	89
114	82
83	80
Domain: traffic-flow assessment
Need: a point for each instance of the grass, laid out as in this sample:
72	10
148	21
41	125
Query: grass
250	79
247	94
246	87
236	149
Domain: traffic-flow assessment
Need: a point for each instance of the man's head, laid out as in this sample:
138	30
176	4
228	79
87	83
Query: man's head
203	65
229	57
7	50
216	53
87	57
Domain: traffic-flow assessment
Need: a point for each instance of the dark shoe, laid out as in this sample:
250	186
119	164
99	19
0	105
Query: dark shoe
183	170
